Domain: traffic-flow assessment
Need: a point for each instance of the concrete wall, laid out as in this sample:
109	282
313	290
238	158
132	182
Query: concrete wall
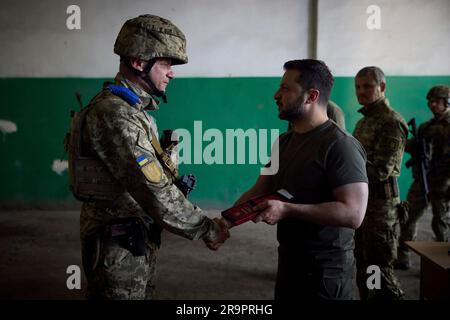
225	38
236	52
412	40
229	38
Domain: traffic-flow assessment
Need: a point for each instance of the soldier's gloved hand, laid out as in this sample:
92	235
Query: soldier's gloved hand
218	234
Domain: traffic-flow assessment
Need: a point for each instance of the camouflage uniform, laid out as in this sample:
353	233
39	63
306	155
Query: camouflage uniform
437	133
335	113
383	133
120	237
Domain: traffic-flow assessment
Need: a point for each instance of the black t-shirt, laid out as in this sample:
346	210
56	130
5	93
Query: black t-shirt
311	166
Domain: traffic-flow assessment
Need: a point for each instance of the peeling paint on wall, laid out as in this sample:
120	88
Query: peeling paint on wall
7	126
59	166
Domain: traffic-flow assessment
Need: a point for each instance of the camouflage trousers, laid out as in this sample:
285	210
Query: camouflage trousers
114	273
376	244
440	223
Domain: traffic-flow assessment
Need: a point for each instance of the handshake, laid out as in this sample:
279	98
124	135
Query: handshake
267	207
217	234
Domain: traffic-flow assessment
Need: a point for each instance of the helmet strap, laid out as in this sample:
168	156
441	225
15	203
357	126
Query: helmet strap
145	75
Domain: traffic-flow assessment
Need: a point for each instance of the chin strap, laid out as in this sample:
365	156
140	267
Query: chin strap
144	75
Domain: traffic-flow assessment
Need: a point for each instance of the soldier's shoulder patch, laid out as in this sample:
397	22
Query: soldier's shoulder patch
150	169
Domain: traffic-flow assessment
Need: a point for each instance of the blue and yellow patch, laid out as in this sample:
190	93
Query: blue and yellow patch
150	169
141	160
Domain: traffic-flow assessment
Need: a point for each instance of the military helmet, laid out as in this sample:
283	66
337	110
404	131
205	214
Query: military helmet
147	37
440	92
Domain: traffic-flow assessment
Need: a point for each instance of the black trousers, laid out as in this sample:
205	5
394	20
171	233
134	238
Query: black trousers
298	278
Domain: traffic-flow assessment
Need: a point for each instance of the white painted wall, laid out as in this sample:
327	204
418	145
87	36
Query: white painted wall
228	37
414	38
225	38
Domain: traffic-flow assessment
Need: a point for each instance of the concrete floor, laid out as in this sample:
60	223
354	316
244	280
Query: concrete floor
37	247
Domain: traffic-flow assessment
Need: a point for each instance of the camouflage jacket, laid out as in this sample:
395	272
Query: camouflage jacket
120	135
336	114
436	133
382	132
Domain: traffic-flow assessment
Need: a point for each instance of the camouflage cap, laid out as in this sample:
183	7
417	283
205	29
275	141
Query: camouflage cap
439	92
148	37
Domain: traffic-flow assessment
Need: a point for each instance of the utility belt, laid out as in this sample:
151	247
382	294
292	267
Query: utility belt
128	233
131	234
387	189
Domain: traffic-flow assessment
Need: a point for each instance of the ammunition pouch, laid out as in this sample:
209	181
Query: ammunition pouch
132	235
90	179
128	233
387	189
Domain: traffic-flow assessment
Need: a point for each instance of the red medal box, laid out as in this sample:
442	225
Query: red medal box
244	212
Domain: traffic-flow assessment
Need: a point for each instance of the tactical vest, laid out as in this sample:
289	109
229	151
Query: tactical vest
89	178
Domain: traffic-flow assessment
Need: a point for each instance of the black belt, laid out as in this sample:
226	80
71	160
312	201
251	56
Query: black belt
387	189
132	234
129	233
121	227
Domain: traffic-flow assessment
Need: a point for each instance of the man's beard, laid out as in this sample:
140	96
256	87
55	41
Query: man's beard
292	111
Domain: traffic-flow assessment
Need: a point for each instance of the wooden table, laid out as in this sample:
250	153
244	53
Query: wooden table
434	269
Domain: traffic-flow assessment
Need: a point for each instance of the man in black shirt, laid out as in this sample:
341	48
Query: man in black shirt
323	167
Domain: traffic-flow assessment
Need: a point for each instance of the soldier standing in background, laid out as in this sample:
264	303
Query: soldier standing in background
127	182
336	114
436	133
382	132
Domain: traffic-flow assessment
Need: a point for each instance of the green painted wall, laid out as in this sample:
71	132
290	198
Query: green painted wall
41	107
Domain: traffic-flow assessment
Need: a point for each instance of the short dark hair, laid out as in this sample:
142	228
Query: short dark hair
376	73
314	74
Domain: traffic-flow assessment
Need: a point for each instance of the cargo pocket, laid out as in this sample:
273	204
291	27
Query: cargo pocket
114	255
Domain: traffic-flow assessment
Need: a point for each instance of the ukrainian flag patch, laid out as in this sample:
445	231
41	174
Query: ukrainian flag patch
142	161
150	169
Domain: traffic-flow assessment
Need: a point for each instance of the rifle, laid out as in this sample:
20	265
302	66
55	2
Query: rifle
422	156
